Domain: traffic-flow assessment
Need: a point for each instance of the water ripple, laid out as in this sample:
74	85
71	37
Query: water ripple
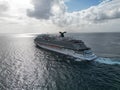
23	66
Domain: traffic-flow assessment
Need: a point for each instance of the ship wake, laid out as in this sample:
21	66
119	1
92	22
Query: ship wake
111	61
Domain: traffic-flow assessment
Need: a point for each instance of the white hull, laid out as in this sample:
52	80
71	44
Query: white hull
68	52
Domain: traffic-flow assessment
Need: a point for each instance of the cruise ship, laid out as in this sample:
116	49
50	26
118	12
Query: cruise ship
65	45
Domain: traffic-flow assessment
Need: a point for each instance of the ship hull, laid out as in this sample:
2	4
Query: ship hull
66	52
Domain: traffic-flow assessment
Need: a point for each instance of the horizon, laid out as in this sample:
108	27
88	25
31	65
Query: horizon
58	32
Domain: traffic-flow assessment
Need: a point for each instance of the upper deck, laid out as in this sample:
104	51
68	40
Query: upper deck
65	42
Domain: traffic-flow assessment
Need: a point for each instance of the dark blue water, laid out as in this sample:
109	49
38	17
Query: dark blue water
23	66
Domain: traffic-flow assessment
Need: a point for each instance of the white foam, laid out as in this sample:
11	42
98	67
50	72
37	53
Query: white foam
107	61
78	60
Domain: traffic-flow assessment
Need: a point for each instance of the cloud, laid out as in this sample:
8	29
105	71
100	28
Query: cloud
56	11
14	11
52	15
105	11
41	9
44	9
3	7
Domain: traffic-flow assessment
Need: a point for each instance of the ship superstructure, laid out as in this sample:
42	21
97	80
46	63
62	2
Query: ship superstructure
65	45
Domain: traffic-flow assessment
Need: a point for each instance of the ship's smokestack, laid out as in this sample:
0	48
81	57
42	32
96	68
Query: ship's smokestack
62	34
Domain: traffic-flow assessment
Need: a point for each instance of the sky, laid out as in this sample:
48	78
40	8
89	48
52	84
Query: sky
77	5
51	16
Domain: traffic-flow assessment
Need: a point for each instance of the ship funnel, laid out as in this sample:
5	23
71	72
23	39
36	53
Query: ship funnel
62	34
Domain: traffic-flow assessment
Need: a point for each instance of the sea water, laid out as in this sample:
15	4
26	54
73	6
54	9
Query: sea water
23	66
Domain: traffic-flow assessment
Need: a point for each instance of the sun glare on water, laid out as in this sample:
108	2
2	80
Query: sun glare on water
24	35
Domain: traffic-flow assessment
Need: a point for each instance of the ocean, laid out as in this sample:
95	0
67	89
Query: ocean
23	66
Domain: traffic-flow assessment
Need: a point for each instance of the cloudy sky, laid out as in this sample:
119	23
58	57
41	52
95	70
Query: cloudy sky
41	16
